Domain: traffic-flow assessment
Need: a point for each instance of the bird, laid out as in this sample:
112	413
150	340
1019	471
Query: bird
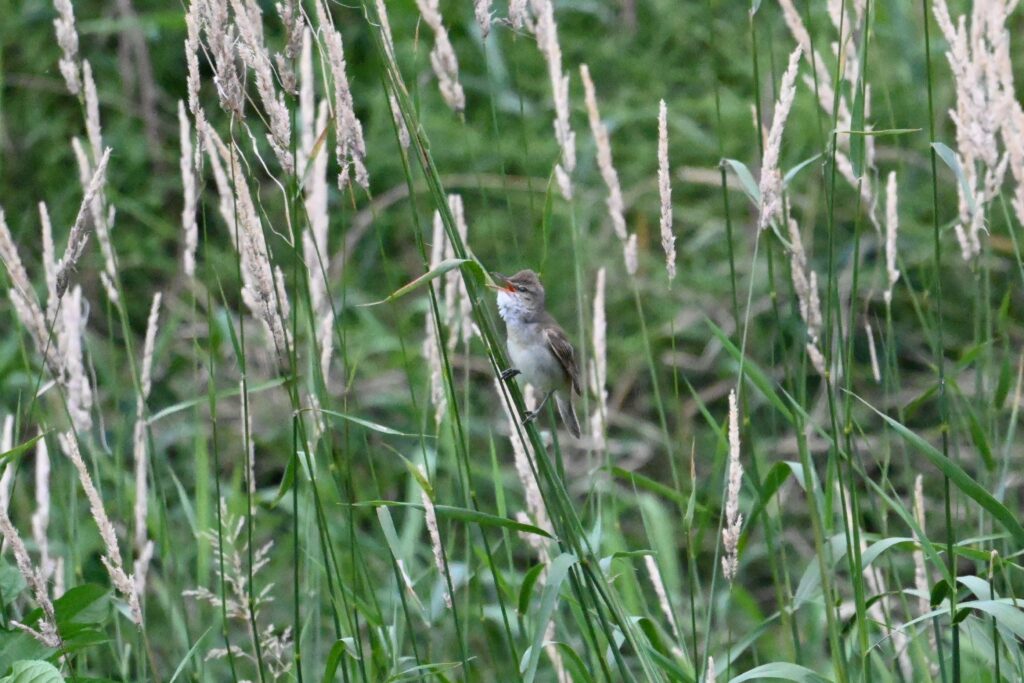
537	345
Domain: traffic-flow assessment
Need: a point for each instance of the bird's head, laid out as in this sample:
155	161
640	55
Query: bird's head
520	296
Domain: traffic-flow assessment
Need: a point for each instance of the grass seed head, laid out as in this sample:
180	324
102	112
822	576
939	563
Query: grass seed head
668	238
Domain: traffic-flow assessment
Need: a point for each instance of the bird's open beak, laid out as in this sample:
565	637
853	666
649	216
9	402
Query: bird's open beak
501	283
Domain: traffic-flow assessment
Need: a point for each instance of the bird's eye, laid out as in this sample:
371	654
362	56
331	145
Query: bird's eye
520	289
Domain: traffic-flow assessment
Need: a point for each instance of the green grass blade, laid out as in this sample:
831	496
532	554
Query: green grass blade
746	178
958	476
757	377
781	671
464	515
20	448
432	274
558	570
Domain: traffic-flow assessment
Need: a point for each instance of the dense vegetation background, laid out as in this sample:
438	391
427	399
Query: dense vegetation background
308	519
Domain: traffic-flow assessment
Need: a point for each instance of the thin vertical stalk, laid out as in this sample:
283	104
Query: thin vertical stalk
776	553
853	527
830	335
211	391
246	437
939	351
730	248
297	277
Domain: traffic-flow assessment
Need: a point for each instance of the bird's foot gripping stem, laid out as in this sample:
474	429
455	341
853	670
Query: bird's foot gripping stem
506	375
531	415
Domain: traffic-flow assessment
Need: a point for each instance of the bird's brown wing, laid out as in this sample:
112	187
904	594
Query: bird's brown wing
560	345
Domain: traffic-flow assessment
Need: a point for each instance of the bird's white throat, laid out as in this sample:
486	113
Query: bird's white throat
512	309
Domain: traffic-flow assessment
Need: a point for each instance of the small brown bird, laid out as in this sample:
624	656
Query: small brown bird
537	345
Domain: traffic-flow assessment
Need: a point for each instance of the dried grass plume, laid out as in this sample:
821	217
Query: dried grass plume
733	519
668	238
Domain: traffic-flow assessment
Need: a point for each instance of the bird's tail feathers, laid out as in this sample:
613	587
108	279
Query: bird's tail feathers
568	414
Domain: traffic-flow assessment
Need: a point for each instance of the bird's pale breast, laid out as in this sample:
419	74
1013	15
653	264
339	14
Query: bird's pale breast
530	354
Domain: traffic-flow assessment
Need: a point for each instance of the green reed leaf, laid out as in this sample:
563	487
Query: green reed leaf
557	572
746	179
783	671
958	476
432	274
464	515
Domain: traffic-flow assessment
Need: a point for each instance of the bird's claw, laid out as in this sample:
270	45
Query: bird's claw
506	375
529	416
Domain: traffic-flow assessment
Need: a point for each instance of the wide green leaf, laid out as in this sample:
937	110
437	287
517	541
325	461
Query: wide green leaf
85	604
780	671
33	671
17	645
1005	611
979	586
12	582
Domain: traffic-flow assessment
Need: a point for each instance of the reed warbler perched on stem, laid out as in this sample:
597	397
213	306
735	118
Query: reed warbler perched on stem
538	346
